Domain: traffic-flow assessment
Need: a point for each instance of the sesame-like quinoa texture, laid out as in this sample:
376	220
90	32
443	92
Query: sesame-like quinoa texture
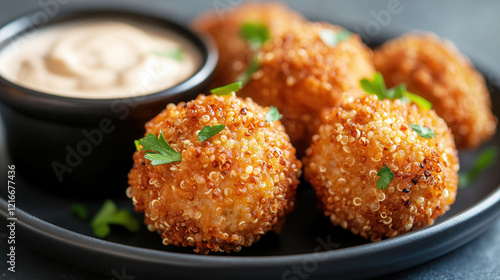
301	75
436	70
227	191
358	139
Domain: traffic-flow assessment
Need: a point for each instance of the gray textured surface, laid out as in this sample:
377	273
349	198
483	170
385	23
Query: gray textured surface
473	26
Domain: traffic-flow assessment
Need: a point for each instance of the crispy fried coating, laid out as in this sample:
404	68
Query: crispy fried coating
437	71
235	54
302	75
228	190
359	138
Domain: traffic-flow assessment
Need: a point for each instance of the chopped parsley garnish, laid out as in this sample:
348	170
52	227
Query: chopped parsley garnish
252	68
377	87
137	145
273	115
209	131
255	33
332	38
484	160
79	211
386	176
417	99
157	150
423	131
397	92
110	214
177	54
227	89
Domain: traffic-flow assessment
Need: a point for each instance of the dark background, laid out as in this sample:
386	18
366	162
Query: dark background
474	26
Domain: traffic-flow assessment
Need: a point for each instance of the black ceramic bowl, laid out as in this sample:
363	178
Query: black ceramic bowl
84	146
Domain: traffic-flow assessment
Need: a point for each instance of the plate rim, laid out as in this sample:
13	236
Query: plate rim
489	205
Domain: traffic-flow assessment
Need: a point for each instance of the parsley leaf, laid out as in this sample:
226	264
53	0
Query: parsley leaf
377	86
137	145
79	211
423	131
255	33
273	115
396	92
177	54
227	89
417	99
157	150
252	68
332	38
110	214
484	160
209	131
386	176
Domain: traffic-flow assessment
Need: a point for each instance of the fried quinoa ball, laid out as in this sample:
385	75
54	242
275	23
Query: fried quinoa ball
301	75
358	139
437	71
227	191
235	54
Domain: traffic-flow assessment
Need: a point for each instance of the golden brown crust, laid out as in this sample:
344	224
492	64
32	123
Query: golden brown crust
436	70
228	190
235	54
355	141
301	75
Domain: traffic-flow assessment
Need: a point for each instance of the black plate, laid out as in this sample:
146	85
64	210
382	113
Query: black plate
309	245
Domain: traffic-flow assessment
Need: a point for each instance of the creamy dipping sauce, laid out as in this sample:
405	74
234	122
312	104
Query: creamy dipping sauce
99	59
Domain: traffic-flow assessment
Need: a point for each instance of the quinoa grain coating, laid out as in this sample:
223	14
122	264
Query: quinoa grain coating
227	191
437	71
235	54
358	139
301	75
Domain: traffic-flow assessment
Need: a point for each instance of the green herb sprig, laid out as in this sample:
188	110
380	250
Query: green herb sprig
417	99
157	150
251	69
209	131
110	214
79	211
227	89
107	215
423	131
255	33
332	38
138	146
377	87
485	159
386	176
273	115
